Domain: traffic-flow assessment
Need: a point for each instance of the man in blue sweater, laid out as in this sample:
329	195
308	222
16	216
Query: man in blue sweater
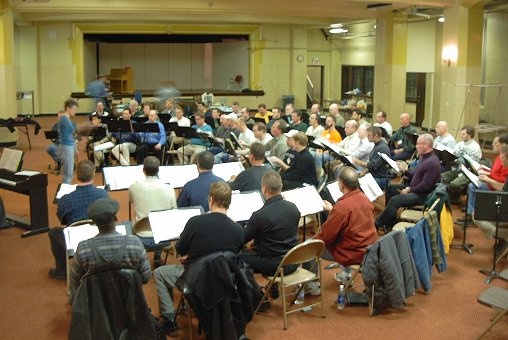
422	181
151	141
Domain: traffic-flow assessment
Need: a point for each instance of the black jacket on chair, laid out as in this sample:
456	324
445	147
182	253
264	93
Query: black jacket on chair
110	304
222	293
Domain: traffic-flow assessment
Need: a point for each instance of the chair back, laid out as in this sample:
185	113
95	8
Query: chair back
142	227
303	252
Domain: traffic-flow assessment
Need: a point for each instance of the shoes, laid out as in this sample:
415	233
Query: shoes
274	292
264	306
343	277
8	224
332	265
313	288
469	219
501	247
169	325
55	274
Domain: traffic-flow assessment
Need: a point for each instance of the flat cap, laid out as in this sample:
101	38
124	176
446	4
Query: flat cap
103	211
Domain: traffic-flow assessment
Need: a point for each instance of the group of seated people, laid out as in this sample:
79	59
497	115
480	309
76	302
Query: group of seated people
281	159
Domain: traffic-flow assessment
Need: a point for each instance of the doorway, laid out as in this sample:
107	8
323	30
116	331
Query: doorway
314	84
415	93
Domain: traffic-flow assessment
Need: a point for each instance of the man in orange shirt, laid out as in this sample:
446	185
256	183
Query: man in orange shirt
330	134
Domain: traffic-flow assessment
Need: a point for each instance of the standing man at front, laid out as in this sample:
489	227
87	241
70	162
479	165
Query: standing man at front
274	229
67	132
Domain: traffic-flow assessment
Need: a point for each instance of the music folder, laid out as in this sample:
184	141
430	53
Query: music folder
333	189
471	176
473	165
226	170
389	161
178	175
52	135
370	187
74	235
413	137
146	127
307	200
244	204
445	154
168	224
347	160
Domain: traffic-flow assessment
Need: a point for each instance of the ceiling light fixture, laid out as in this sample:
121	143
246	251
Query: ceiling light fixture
441	18
337	28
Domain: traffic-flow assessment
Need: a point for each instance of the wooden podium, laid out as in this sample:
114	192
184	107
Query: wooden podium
121	80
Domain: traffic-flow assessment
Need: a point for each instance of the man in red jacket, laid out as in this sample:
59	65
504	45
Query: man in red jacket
350	226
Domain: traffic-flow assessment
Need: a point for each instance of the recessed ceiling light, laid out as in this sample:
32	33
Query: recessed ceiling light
441	18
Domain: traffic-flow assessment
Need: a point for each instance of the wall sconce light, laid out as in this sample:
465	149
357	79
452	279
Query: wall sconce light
450	54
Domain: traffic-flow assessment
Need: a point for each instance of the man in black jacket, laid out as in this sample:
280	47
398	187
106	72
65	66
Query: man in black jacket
376	166
202	235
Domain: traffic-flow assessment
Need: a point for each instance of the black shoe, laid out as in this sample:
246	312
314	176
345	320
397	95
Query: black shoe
501	247
169	325
8	224
57	275
274	292
264	306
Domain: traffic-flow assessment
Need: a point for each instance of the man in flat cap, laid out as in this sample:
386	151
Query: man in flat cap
107	243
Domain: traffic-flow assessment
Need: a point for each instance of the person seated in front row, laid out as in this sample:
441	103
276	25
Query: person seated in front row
187	153
125	142
73	207
301	168
349	229
151	141
488	227
107	243
422	182
96	139
402	148
202	235
273	228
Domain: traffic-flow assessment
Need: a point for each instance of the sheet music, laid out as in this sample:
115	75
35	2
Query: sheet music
103	146
472	177
178	175
390	161
475	164
244	204
74	235
68	188
11	159
27	173
169	224
333	189
122	177
370	187
332	146
441	147
226	170
306	199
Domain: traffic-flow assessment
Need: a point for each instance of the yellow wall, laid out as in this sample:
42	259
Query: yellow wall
7	74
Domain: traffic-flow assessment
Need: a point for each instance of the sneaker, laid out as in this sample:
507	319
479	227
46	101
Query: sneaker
57	275
332	266
313	288
343	277
8	224
168	325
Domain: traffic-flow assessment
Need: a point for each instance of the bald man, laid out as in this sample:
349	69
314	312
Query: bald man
443	136
422	182
401	147
334	111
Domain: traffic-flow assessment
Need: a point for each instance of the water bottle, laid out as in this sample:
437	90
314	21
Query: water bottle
301	296
341	298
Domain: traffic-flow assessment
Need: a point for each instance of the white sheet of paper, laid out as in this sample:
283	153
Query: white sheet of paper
10	159
472	177
169	224
68	188
306	199
475	164
226	170
74	235
27	173
122	177
442	147
333	189
244	204
390	161
370	187
103	146
178	175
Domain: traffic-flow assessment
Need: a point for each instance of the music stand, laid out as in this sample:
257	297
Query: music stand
147	127
185	132
489	207
140	119
259	120
466	246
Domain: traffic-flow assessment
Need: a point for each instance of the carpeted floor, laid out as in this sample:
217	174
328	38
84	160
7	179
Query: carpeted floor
33	306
